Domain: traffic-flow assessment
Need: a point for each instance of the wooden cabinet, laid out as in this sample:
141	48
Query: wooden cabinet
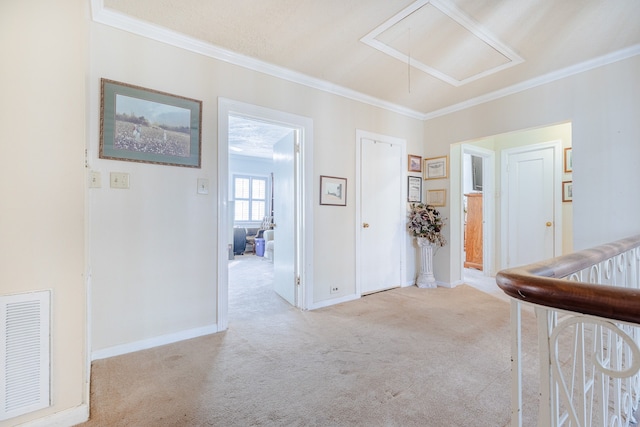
473	232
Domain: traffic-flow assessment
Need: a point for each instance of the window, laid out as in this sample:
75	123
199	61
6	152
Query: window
250	195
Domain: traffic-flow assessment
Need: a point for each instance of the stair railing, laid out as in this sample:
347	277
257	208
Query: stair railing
587	307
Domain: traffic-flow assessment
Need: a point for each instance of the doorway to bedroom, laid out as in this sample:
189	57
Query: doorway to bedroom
255	149
262	187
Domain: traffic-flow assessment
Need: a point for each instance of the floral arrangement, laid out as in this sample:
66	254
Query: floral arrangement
425	221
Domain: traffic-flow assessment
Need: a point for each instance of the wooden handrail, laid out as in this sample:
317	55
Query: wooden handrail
541	283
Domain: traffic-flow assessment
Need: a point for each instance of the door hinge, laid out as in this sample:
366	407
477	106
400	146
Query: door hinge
297	147
297	280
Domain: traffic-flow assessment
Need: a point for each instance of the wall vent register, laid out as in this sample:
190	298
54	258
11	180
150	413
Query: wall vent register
24	353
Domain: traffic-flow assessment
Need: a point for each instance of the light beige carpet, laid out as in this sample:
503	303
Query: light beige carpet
405	357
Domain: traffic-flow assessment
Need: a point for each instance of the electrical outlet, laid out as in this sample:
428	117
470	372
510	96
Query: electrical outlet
335	289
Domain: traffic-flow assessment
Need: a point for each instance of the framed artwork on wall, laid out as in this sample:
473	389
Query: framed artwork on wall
568	160
567	191
148	126
414	189
333	191
415	163
436	167
437	197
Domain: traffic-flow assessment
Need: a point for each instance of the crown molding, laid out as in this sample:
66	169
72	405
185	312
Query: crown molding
154	32
538	81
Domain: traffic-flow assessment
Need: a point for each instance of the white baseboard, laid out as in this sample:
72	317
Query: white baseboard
329	302
451	285
66	418
153	342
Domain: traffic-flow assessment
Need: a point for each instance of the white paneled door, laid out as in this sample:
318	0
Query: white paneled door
284	217
382	217
531	219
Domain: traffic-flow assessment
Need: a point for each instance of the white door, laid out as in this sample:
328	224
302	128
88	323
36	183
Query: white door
284	217
382	217
531	224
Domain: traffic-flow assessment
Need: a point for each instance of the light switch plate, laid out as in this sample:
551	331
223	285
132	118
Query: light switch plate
95	181
119	180
203	186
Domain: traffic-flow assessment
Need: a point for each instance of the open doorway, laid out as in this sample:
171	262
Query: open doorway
495	185
478	216
263	182
253	159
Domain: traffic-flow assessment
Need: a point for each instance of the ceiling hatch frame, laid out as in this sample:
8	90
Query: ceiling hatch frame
459	17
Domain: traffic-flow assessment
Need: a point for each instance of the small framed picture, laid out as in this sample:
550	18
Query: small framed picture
437	197
414	189
436	167
333	191
567	191
568	160
415	163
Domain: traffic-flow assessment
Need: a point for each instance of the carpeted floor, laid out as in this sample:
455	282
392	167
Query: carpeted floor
405	357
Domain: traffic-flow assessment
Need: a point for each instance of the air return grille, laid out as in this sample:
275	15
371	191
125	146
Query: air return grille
24	353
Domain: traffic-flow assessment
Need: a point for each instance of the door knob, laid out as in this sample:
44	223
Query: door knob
549	223
365	225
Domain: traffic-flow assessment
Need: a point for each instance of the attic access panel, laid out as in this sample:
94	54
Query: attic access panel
437	38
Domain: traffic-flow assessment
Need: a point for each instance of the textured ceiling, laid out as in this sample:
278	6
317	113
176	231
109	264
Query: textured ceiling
423	58
254	138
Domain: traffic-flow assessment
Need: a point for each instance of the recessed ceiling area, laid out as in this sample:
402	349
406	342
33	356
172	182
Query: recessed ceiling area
437	38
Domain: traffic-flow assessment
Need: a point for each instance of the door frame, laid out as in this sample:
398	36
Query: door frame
402	204
303	208
488	206
556	145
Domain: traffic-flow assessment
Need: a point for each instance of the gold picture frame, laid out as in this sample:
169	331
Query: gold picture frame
437	197
436	167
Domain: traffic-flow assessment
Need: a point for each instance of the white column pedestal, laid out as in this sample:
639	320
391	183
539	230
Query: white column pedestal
426	278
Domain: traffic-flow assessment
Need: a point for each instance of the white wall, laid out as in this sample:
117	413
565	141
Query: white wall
154	246
603	106
42	191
